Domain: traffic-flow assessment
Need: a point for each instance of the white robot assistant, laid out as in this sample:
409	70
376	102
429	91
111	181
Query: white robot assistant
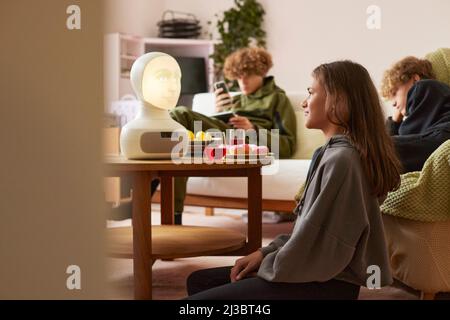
156	80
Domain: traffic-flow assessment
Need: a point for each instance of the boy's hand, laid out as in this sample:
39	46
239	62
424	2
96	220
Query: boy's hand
397	116
239	122
222	99
246	266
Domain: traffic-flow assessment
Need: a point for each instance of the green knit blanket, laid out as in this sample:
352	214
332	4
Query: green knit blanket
424	195
440	61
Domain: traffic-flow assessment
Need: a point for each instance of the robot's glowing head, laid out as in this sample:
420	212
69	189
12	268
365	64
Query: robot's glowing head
156	79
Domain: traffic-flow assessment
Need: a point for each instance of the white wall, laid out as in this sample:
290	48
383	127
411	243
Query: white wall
136	17
204	10
301	34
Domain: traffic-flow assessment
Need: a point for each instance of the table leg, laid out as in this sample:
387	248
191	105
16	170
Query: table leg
142	249
167	206
254	196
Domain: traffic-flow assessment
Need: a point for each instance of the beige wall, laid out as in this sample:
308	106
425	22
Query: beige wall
137	17
204	10
140	17
301	34
51	213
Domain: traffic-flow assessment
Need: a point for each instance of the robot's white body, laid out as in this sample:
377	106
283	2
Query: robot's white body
155	78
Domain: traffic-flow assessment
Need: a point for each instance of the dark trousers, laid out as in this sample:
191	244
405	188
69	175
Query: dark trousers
214	284
124	211
187	117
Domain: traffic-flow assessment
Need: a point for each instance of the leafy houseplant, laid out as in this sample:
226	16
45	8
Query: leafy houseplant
239	27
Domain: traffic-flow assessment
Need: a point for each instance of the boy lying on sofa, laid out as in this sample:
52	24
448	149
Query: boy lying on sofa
420	92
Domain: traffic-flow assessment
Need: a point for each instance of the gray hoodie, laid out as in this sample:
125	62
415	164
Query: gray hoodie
339	232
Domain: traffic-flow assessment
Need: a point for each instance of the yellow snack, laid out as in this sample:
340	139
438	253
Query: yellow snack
202	136
191	135
199	136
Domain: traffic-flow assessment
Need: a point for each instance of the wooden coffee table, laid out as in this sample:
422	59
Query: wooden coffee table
145	243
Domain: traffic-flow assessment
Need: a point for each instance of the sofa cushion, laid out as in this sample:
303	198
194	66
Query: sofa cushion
308	140
280	183
205	102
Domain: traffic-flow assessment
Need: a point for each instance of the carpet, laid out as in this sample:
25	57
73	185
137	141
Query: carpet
169	277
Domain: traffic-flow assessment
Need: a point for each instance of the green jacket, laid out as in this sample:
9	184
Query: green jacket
269	108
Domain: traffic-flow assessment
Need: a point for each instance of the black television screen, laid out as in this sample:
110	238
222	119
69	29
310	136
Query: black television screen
193	71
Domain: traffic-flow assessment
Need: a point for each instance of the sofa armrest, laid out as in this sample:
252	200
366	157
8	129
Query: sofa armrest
205	102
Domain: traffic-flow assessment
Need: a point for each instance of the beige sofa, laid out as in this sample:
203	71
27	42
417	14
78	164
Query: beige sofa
419	253
417	225
281	180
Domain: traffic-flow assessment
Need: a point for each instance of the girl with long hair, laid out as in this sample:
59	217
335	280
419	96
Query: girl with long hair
337	243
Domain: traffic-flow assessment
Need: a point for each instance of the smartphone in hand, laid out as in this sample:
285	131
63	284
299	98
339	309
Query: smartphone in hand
224	101
223	85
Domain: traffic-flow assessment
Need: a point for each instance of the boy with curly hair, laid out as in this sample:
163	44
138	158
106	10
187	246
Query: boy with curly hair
261	105
421	119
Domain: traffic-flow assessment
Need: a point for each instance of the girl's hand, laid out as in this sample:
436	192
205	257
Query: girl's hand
246	265
239	122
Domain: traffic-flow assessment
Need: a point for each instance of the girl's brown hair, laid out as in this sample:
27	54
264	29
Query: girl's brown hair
403	71
353	104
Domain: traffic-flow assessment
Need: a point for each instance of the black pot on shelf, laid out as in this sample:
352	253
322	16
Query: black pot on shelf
186	27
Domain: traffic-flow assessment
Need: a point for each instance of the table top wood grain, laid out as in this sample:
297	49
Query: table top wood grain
120	163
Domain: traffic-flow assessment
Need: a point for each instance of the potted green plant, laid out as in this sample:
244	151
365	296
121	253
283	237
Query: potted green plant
239	27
